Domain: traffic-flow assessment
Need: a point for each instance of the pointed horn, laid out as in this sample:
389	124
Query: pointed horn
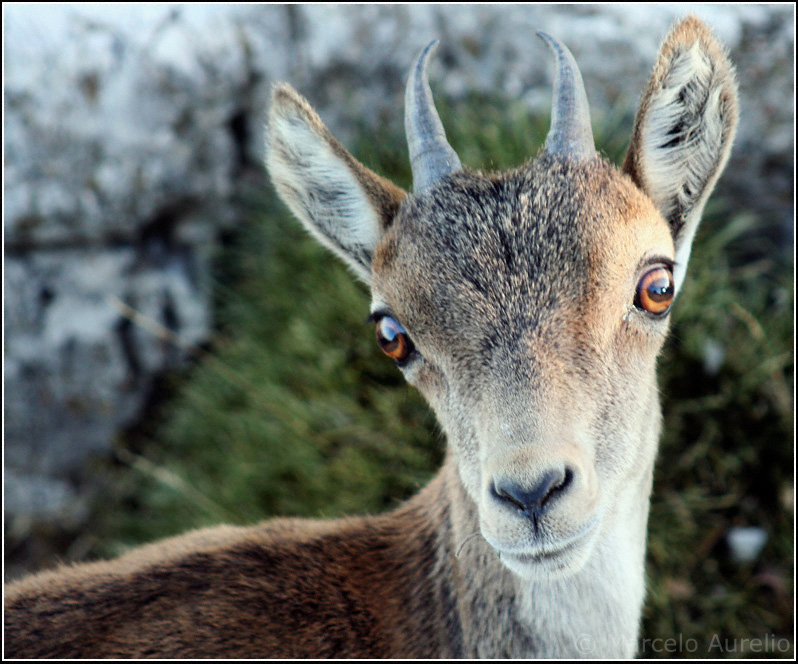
570	133
431	156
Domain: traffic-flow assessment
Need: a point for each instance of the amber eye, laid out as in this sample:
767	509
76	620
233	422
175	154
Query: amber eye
393	339
655	291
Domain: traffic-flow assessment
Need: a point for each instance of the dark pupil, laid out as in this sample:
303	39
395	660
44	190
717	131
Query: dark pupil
660	289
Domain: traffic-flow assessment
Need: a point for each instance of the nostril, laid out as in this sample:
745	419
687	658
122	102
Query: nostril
535	500
559	488
508	494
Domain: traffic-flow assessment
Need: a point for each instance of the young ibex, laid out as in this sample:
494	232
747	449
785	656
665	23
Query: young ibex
529	308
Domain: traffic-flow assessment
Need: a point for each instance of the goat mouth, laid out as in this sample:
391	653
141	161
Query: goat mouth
548	564
543	556
551	558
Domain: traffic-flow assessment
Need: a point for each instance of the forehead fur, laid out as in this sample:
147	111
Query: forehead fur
507	246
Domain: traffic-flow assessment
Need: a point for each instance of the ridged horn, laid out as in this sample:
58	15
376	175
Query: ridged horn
431	156
570	133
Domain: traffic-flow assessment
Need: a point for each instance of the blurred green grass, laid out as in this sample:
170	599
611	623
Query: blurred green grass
294	411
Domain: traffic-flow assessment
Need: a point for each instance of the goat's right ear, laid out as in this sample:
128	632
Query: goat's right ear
684	130
344	204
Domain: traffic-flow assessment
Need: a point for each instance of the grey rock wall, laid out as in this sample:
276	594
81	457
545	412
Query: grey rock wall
129	129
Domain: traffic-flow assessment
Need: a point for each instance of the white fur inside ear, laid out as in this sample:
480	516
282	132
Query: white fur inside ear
681	147
322	191
682	133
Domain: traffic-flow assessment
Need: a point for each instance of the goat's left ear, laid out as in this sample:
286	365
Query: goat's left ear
684	130
340	201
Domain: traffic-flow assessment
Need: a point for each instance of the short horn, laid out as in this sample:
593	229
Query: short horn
431	156
570	133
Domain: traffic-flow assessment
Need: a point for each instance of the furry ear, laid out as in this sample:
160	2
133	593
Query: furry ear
340	201
684	130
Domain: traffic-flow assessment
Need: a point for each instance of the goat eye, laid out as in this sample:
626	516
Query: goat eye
655	292
393	339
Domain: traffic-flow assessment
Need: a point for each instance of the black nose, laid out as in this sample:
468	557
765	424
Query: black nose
536	500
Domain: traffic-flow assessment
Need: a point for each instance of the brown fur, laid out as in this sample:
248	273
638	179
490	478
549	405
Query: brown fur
517	290
359	587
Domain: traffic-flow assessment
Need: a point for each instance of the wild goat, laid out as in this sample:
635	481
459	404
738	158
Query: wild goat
529	308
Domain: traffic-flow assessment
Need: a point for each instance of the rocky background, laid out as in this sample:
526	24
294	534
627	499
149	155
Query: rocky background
129	132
